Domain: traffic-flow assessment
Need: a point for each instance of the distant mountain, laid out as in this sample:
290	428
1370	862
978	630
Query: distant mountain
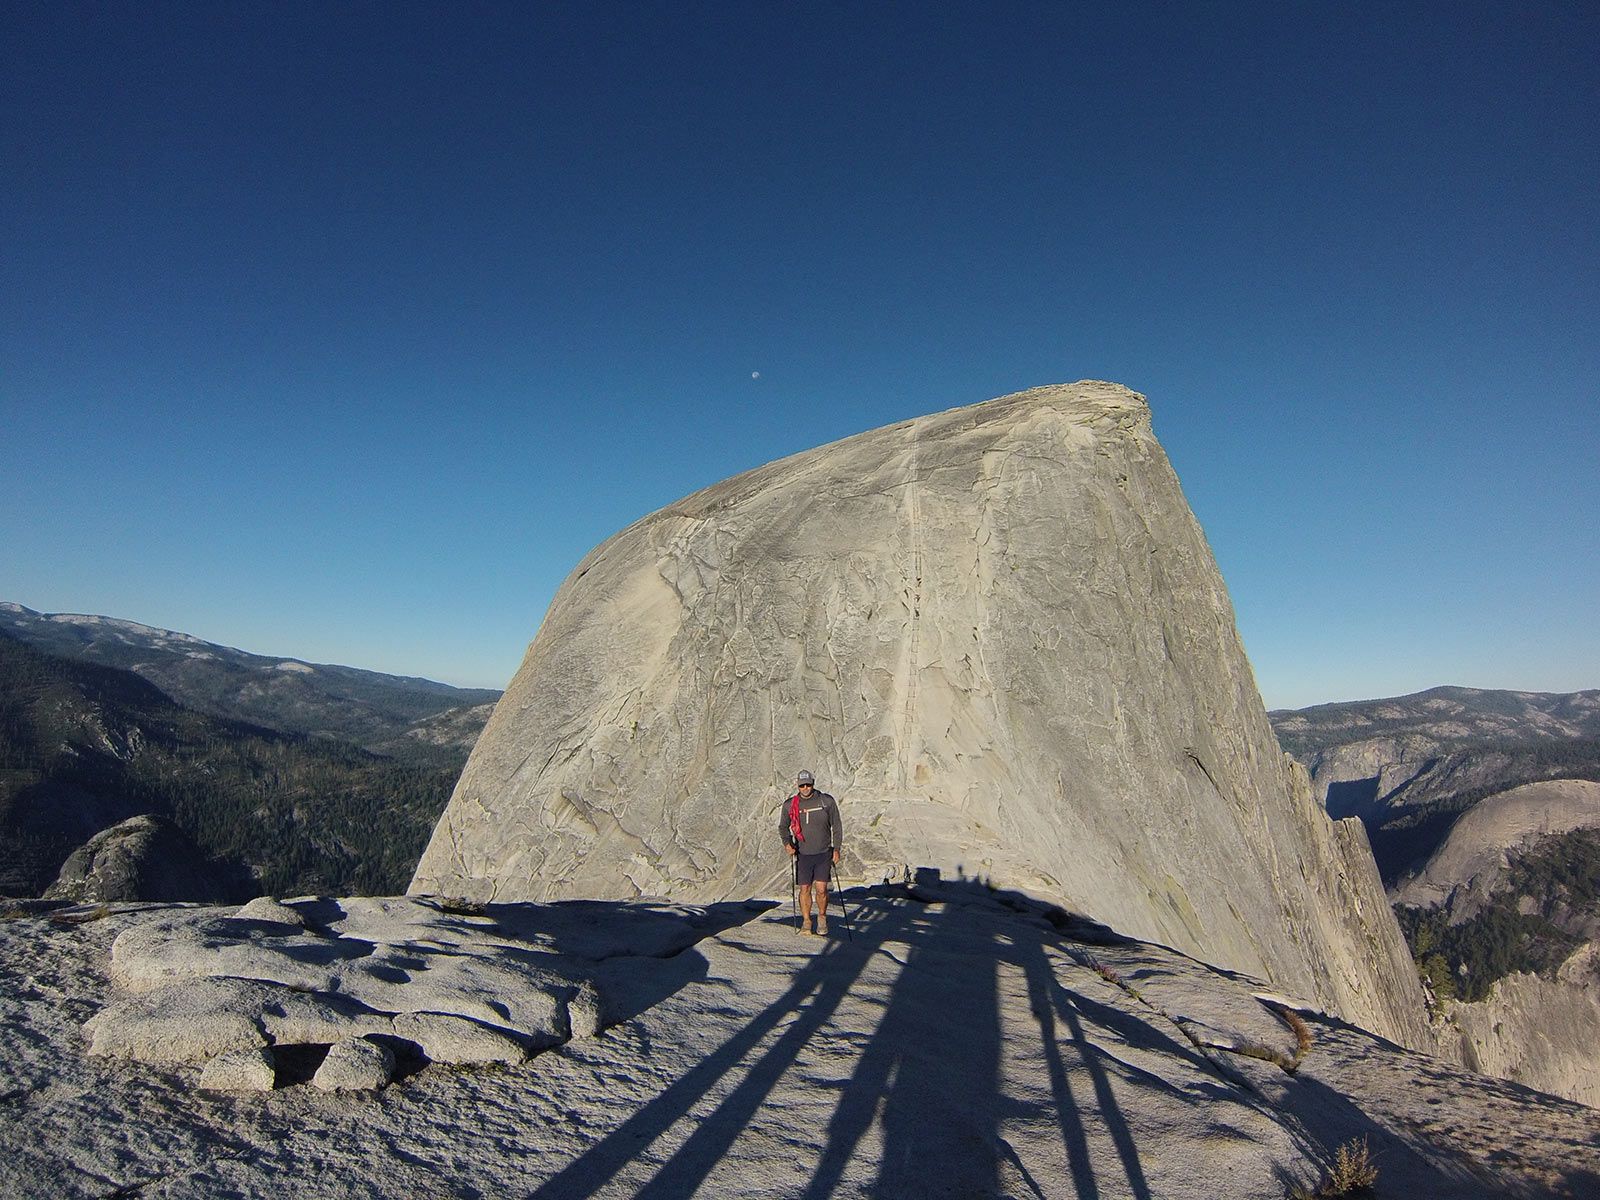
1441	718
376	711
1411	765
1483	810
84	746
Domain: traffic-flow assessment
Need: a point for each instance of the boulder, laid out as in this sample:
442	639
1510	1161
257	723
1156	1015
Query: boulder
265	908
584	1012
355	1065
998	636
458	1041
142	858
239	1071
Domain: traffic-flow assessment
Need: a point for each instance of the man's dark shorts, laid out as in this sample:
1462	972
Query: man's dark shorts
814	868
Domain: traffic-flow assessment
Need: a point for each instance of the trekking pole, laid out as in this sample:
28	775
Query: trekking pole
794	883
844	914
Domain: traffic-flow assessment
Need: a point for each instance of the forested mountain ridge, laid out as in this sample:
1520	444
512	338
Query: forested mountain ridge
83	746
1410	807
1409	766
386	713
1440	718
1483	811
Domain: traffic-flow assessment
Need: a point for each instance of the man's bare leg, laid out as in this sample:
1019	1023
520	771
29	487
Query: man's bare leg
822	905
805	908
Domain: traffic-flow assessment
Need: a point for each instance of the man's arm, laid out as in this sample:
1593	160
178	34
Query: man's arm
784	831
838	828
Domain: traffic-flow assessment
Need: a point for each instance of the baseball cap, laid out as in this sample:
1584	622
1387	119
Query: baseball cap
805	777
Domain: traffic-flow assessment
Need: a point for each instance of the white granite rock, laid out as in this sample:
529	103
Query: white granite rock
998	636
355	1065
239	1071
291	1017
188	1022
956	1042
456	1040
194	944
464	988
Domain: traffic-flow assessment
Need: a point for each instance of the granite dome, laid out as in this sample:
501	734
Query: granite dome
998	635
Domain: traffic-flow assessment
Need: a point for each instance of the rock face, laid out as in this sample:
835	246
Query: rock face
1466	868
998	636
142	858
1409	765
1543	1033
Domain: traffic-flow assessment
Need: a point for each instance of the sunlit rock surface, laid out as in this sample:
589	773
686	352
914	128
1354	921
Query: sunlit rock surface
1544	1033
946	1041
997	634
1471	862
450	985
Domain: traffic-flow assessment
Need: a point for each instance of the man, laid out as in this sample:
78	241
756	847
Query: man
812	833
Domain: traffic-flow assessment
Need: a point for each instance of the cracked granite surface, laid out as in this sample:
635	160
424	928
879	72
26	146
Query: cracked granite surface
948	1040
997	635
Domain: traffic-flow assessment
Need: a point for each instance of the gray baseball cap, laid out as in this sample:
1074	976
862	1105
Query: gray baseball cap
805	777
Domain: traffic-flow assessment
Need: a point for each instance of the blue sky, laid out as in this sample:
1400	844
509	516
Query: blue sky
344	331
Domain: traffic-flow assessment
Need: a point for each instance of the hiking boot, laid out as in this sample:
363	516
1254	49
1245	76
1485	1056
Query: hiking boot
822	926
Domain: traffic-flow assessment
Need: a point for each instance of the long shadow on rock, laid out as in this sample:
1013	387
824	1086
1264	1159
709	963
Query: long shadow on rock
815	993
1052	1003
1106	1106
929	1073
629	986
932	1066
320	912
1580	1181
1321	1119
927	1080
1324	1116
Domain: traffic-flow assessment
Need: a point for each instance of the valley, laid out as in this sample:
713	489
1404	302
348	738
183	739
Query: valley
287	782
1483	809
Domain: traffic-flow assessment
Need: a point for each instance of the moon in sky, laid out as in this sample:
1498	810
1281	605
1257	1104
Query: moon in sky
755	374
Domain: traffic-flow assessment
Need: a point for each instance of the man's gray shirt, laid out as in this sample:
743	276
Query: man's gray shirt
820	827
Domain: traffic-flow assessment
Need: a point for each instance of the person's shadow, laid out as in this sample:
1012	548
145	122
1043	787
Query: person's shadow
928	1075
945	968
